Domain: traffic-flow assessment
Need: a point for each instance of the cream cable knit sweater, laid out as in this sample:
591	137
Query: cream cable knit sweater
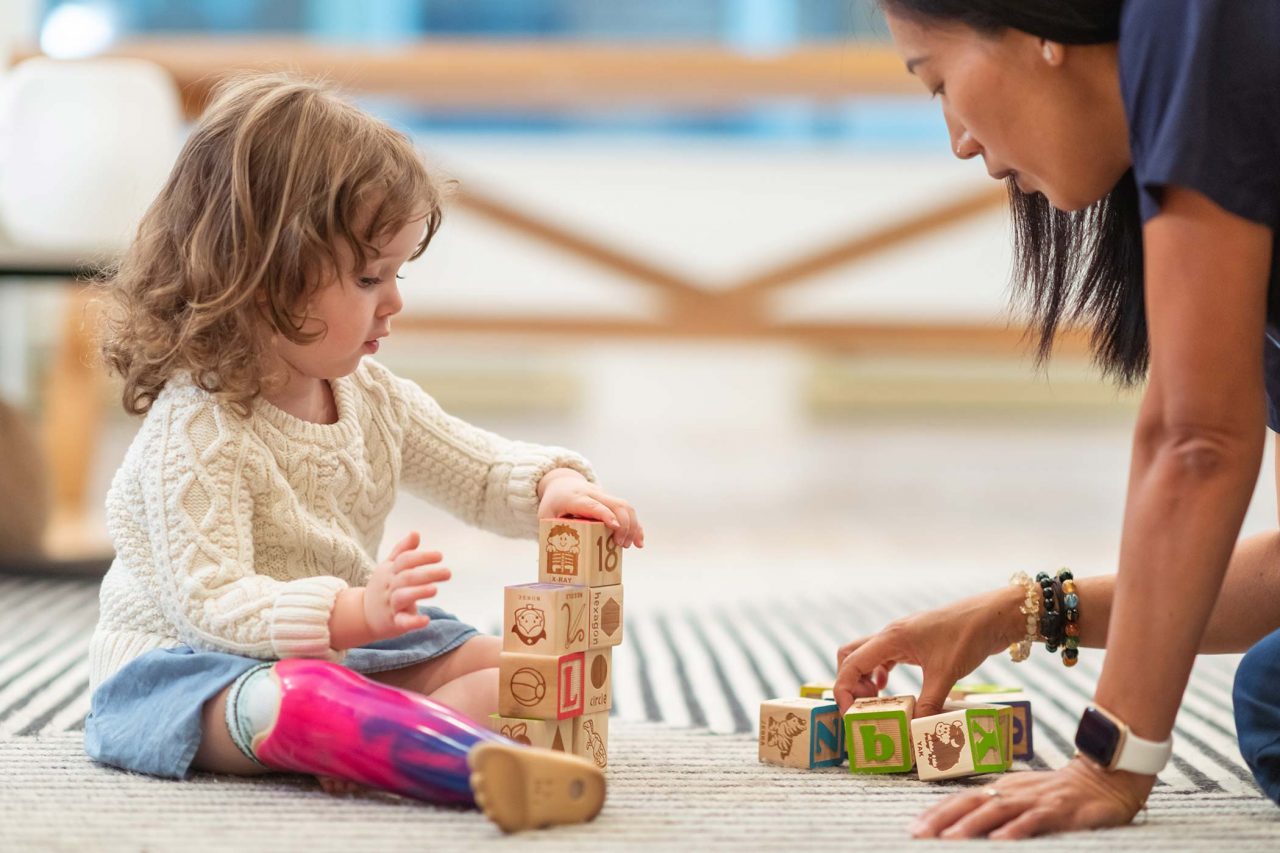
236	534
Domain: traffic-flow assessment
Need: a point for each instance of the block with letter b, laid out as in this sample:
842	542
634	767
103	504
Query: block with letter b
545	619
801	733
878	734
541	686
578	551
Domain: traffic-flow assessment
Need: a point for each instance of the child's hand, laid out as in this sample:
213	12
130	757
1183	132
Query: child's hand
396	585
566	492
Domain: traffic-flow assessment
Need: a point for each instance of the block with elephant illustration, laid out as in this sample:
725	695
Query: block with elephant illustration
800	732
878	734
545	619
966	739
578	551
544	734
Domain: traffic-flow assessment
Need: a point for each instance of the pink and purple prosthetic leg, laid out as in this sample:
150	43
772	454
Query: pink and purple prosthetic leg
331	721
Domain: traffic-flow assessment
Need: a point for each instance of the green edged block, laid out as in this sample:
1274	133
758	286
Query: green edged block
877	735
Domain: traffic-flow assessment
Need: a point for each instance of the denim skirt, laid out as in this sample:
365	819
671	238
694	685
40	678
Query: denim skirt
147	716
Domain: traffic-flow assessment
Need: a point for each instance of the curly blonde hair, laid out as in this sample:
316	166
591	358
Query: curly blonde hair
277	171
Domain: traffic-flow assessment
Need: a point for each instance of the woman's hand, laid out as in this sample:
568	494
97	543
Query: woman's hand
1019	805
397	584
565	492
947	644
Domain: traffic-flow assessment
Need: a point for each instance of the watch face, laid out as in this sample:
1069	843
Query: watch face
1098	736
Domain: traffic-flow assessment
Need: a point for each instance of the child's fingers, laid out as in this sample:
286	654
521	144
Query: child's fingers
585	506
412	559
404	599
410	621
408	542
422	575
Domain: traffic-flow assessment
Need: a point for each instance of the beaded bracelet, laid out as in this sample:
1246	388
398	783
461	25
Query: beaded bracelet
1021	650
1071	615
1051	612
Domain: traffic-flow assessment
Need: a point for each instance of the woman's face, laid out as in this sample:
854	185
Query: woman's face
1046	115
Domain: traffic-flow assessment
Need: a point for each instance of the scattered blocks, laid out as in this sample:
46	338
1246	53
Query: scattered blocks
544	734
878	735
576	551
965	740
544	619
606	616
802	733
541	686
818	690
591	737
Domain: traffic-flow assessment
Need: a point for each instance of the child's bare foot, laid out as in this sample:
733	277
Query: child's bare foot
336	786
519	787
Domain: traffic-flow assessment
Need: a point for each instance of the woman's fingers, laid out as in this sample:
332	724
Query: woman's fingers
853	680
946	813
988	814
1037	821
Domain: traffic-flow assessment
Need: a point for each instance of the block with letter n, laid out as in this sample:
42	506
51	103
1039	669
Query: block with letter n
878	734
798	732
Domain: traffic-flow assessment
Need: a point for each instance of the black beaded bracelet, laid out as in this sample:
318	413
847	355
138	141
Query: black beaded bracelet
1051	622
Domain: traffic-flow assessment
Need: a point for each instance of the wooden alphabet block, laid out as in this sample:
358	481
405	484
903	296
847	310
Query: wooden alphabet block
971	690
591	737
544	734
545	619
543	687
1021	734
818	690
878	734
573	550
606	616
801	733
965	740
599	680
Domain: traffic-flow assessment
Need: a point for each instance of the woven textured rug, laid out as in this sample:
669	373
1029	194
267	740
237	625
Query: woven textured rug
688	683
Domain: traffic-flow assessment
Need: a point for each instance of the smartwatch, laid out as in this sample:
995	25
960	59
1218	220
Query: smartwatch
1106	740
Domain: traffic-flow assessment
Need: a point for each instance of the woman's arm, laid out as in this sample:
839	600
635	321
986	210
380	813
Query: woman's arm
1196	451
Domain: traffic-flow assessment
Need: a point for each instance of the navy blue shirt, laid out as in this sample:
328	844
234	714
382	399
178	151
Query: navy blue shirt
1201	87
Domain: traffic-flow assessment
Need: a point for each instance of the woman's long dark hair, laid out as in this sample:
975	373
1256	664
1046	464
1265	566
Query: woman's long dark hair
1068	266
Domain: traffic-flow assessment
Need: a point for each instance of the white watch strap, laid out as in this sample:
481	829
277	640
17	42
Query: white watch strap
1138	755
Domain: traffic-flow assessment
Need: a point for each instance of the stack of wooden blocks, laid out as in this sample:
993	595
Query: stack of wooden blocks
982	729
556	669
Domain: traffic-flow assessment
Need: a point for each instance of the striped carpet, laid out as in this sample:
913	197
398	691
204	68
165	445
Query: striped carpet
705	668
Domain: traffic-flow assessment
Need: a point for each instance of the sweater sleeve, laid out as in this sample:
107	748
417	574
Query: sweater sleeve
484	479
199	514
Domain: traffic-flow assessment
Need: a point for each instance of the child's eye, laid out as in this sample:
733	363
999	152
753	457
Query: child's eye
370	282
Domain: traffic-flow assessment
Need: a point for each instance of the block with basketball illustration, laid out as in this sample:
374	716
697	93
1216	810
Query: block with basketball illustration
544	687
544	734
1022	728
591	737
598	678
818	690
877	733
606	616
798	732
545	619
574	550
966	739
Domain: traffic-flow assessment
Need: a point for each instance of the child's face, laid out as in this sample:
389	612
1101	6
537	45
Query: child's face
355	308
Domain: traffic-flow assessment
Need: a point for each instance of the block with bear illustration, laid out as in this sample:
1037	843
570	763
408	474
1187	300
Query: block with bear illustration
799	732
966	739
878	734
544	734
545	619
543	687
578	551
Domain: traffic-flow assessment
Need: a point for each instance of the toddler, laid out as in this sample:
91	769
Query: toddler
245	624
